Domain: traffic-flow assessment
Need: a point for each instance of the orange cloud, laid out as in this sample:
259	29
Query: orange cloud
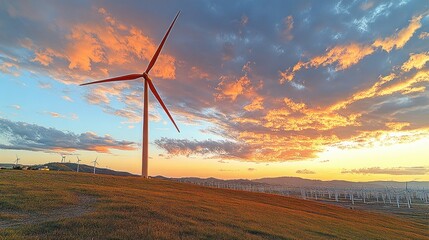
367	139
198	73
393	82
416	61
231	90
401	38
397	125
345	56
43	58
107	44
407	84
256	104
55	115
297	117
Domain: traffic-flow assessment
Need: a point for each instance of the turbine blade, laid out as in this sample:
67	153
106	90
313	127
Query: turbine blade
155	56
155	93
115	79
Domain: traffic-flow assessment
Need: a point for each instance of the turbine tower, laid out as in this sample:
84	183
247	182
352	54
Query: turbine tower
63	158
95	163
78	161
148	83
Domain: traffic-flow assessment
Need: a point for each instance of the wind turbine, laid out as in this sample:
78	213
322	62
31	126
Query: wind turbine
17	160
78	161
147	83
95	163
63	158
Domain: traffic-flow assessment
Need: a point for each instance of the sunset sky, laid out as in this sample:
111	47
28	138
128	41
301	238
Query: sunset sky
313	89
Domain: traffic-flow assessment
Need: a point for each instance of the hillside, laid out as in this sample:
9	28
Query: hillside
69	205
84	168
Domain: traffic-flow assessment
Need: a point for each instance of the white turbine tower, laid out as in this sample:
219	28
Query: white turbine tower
95	163
148	83
63	158
17	160
78	163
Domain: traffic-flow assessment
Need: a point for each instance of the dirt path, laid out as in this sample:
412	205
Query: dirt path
84	206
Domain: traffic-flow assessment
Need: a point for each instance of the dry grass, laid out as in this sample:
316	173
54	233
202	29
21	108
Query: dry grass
135	208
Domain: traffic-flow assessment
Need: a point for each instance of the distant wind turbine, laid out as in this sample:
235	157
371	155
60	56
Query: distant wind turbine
17	160
147	83
63	158
95	163
78	163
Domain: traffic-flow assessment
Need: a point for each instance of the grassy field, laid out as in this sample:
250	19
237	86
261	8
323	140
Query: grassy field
65	205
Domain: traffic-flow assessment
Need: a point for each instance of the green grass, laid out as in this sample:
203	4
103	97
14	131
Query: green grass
135	208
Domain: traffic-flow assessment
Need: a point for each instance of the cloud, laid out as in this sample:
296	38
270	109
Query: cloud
55	115
288	27
74	116
389	171
345	56
231	90
67	98
32	137
367	5
397	125
251	169
398	40
228	51
44	85
256	104
424	35
305	171
217	149
393	82
17	107
416	61
244	20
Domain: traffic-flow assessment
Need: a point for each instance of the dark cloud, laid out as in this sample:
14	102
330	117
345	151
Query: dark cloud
390	171
220	148
32	137
305	171
251	169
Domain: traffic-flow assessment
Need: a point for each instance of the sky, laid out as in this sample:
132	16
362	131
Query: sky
313	89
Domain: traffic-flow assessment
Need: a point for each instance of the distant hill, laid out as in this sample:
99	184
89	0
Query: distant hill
212	180
304	183
6	165
85	168
301	182
71	167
